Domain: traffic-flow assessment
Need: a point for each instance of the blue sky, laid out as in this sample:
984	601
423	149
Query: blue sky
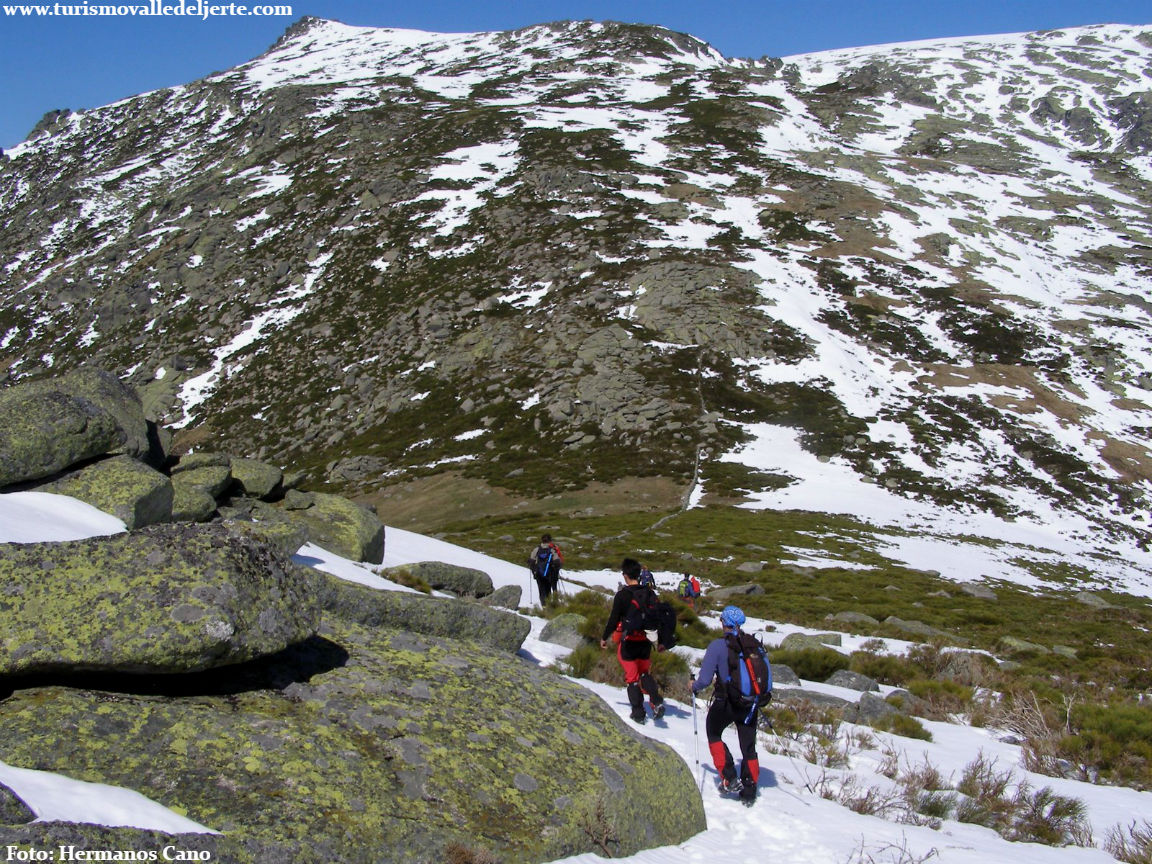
82	62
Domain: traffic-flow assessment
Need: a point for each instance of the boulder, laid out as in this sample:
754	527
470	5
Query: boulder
1093	600
42	434
724	595
853	681
505	597
284	535
565	630
782	674
853	618
340	526
978	590
872	708
112	396
461	581
258	479
436	616
918	628
802	641
206	459
967	667
369	744
128	489
792	695
1017	645
168	598
13	810
191	503
215	480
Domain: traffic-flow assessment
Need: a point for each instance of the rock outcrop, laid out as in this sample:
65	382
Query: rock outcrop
165	599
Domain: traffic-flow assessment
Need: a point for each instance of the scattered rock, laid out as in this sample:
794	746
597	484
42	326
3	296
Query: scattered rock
565	630
853	681
504	597
1017	645
724	595
461	581
801	641
853	618
978	590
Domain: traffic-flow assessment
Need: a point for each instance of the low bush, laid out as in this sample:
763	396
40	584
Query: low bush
1132	845
902	724
811	664
940	697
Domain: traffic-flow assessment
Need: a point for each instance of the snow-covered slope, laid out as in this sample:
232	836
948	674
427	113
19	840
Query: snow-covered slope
791	823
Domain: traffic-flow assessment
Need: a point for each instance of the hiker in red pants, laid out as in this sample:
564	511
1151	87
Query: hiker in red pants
729	706
633	649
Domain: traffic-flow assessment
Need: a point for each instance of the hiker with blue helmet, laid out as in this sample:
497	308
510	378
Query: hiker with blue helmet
727	707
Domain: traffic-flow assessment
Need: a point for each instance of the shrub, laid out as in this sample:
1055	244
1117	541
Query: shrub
1045	817
1132	845
902	724
811	664
941	696
885	668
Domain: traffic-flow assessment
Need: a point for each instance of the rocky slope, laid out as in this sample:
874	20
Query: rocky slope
582	252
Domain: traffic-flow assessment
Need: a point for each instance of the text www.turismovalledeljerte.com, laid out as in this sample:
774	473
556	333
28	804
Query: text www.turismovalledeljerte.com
158	8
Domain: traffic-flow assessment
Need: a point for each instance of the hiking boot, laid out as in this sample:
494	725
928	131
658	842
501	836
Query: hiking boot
731	787
639	716
658	711
748	794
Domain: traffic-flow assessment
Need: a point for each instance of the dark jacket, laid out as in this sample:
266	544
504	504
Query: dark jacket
621	603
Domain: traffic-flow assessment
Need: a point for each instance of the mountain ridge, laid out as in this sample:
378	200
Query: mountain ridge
584	253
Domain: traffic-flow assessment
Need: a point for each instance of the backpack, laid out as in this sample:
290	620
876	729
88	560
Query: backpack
647	579
547	564
689	587
648	612
749	674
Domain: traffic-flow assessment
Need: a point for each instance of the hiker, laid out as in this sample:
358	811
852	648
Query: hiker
646	578
544	562
719	667
688	590
634	649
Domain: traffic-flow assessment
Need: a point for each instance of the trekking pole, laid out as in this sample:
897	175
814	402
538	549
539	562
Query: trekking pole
696	741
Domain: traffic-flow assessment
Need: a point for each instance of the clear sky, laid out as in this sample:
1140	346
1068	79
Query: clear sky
49	62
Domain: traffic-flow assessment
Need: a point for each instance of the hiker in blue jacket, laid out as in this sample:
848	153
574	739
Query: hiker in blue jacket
715	669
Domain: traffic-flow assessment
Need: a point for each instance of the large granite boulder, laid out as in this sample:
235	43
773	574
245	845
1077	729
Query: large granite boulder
42	434
440	576
168	598
213	479
435	616
258	479
365	745
343	527
505	597
128	489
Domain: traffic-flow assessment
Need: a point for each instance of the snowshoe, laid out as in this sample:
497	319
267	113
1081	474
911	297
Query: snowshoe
658	711
731	788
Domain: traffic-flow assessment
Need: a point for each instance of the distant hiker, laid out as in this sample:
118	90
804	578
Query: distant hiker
633	648
646	578
724	661
544	562
688	590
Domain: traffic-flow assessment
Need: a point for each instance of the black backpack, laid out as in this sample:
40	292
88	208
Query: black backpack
749	674
648	612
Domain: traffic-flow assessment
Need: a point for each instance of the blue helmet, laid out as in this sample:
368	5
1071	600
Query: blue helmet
732	617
